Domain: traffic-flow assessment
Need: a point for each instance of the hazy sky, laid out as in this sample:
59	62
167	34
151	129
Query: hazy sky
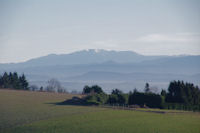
33	28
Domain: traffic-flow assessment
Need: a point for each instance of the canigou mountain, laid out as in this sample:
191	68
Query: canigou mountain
107	68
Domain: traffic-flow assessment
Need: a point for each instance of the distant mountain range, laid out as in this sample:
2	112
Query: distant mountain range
90	56
104	67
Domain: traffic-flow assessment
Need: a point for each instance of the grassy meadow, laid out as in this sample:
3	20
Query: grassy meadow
35	112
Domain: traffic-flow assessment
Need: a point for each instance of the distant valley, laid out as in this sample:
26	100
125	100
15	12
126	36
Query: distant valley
125	70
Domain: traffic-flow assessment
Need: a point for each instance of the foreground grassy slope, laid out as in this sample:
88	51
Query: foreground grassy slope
21	107
30	112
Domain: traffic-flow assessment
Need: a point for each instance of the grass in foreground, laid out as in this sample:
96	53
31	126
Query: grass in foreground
29	112
21	107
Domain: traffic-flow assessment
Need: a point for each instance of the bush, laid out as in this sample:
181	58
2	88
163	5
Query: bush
118	99
97	99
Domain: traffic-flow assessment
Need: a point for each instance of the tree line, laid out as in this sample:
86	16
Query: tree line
13	81
180	95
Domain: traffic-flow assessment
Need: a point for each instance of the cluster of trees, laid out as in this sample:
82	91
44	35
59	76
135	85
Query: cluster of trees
95	95
180	92
180	95
151	100
13	81
92	90
53	85
117	97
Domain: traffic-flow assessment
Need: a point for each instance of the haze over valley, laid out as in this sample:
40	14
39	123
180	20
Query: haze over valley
125	70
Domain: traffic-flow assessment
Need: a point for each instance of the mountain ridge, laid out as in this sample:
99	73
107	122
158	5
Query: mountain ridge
93	54
108	68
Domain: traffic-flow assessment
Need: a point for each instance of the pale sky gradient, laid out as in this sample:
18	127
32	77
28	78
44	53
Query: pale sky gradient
33	28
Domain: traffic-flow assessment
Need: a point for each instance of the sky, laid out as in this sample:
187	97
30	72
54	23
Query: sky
34	28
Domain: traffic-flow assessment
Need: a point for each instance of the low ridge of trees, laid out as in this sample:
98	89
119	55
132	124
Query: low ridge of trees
180	95
13	81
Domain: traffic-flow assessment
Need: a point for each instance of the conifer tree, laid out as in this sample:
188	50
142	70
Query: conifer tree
24	83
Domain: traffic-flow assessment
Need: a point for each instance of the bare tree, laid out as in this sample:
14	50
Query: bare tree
61	90
53	85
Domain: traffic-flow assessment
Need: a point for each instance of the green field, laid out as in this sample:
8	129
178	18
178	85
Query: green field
34	112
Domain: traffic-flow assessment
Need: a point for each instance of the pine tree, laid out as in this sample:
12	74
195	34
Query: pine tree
23	82
11	80
16	83
5	80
